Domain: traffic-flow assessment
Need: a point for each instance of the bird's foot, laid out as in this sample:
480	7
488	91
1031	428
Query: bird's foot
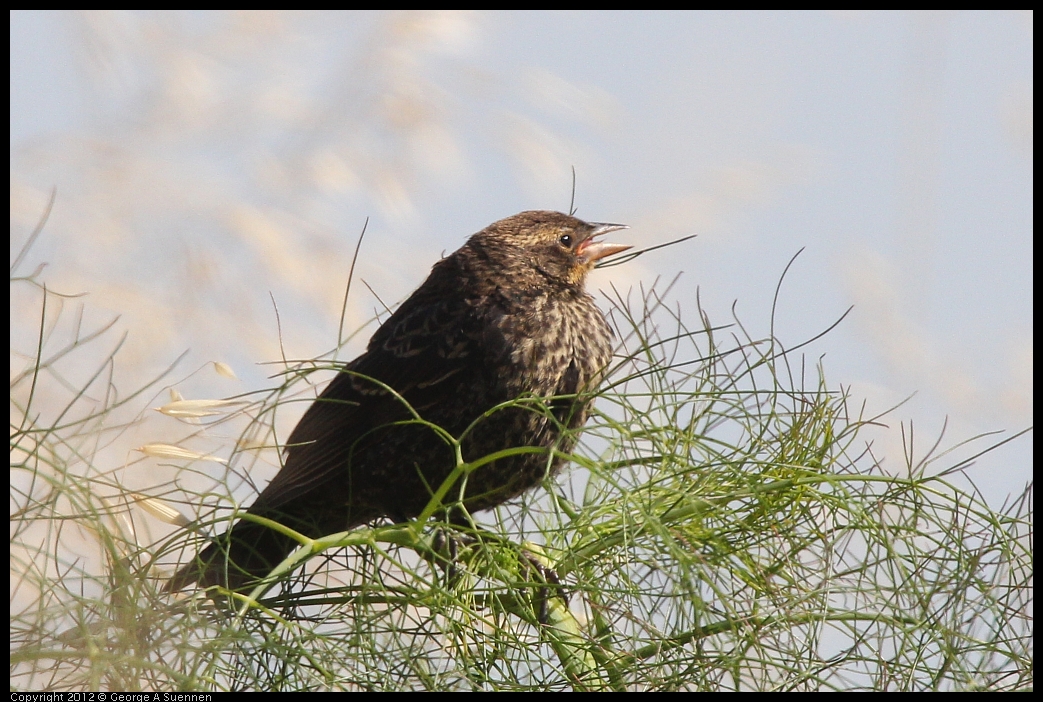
533	566
546	576
446	544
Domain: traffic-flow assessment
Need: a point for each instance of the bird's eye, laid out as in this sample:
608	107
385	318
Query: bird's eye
566	241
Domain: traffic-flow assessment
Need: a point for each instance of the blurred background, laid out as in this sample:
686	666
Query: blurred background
211	168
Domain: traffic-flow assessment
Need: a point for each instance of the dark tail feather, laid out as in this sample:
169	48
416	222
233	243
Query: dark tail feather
245	554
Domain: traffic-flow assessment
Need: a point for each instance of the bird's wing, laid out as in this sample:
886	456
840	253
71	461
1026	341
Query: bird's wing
427	346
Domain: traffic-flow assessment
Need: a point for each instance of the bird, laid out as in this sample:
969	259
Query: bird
501	347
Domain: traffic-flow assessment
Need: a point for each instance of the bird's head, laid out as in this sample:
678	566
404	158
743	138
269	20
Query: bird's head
558	246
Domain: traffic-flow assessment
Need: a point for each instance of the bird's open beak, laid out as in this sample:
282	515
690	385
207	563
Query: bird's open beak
590	251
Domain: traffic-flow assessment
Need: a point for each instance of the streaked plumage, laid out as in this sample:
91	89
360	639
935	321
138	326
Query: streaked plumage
504	316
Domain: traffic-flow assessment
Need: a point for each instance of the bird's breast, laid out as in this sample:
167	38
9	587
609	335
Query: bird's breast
550	339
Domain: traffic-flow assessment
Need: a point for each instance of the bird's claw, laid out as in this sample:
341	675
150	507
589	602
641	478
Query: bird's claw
447	546
549	578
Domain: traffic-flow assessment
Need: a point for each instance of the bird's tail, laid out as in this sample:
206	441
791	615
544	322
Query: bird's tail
246	553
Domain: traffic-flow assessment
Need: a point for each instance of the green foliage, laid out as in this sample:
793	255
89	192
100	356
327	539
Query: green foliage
725	527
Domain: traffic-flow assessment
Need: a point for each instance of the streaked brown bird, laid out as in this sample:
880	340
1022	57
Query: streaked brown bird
503	317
